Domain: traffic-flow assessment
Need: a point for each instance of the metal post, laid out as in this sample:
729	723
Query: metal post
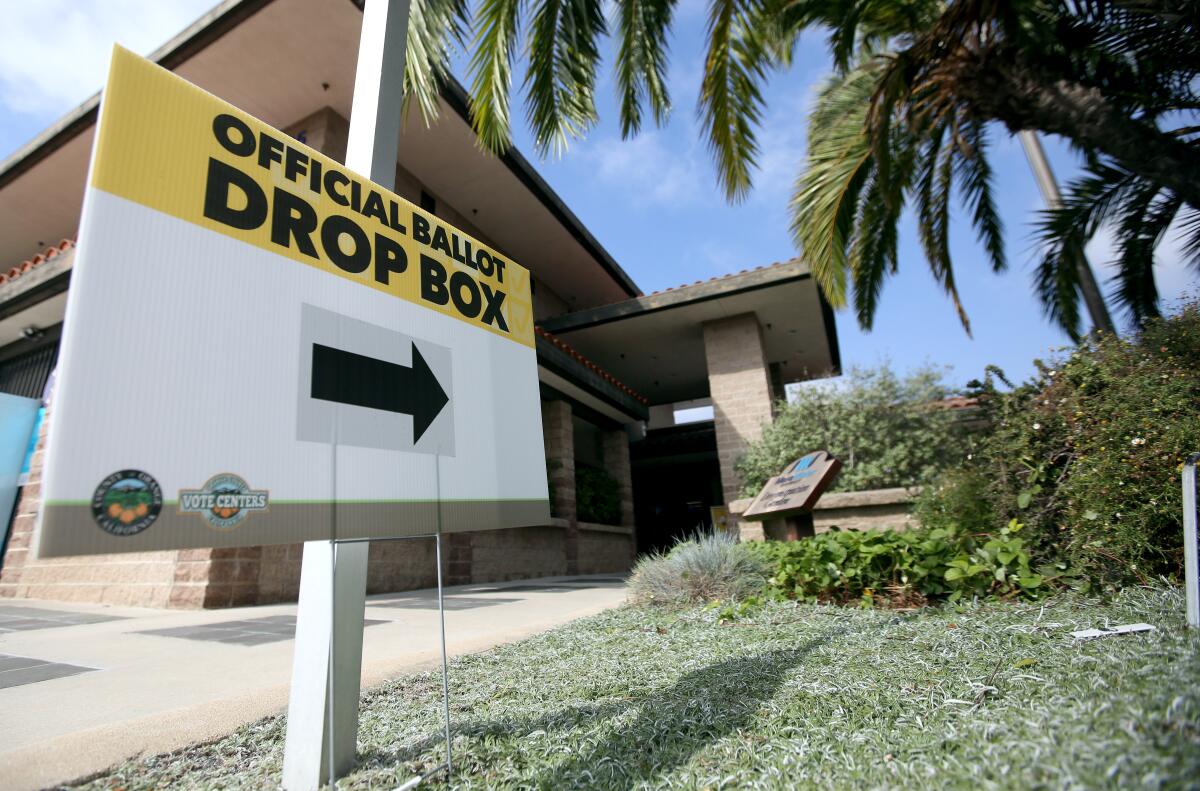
1191	567
322	728
1092	296
445	663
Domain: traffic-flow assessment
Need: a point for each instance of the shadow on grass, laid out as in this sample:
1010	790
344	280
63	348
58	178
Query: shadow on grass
657	732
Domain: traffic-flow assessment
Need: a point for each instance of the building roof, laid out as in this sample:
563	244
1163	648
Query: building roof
312	62
655	343
585	362
49	254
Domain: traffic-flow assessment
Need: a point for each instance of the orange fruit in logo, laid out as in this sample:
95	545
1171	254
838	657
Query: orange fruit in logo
127	517
142	509
225	513
114	510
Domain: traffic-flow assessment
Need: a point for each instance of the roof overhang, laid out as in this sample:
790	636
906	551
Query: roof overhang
281	60
655	343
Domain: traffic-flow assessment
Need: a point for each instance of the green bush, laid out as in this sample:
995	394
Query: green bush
885	430
1088	454
705	568
597	496
904	567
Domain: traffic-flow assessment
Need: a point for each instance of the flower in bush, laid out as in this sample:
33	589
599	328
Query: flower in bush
1098	483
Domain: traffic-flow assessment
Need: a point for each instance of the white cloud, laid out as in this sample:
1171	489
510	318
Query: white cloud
54	53
654	169
781	156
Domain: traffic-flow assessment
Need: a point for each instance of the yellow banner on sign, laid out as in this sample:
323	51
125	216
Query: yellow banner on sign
172	147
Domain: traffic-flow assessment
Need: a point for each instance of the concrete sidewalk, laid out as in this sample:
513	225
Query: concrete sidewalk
84	687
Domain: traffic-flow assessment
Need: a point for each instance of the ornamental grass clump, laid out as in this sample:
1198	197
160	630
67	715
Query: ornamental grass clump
705	568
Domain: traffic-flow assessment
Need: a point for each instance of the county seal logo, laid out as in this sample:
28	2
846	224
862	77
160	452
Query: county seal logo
126	502
224	501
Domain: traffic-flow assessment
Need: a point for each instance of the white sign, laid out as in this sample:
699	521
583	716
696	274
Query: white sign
263	347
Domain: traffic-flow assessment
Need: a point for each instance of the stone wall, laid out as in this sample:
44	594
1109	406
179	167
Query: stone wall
875	509
740	389
605	550
232	577
147	579
519	553
558	434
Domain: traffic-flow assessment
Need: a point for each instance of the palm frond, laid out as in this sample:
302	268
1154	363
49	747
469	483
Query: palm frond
1147	216
563	56
824	201
731	100
434	28
495	47
873	250
1056	282
641	65
1189	230
1088	203
974	175
934	190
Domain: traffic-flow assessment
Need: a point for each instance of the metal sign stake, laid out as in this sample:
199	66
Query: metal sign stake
1191	564
328	662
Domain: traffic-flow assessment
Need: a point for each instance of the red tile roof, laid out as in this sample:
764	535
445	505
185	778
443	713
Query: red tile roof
48	254
591	365
723	277
957	402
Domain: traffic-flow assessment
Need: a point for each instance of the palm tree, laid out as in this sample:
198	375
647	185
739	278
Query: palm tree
921	107
903	120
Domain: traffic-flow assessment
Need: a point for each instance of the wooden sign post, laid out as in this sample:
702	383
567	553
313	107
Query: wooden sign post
785	504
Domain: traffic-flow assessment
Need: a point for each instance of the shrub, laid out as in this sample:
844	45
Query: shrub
705	568
597	496
1088	454
886	431
904	567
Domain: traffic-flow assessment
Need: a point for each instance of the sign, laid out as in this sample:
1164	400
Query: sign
797	489
719	514
19	421
261	346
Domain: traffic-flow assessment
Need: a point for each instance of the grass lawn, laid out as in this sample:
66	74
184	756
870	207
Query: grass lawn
794	696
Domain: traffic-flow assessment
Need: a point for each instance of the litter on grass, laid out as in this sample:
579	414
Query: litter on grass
1129	628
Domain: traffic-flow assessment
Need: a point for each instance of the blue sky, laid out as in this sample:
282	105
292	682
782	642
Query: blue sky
653	201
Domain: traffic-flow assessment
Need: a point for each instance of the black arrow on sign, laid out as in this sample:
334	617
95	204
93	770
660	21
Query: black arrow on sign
349	378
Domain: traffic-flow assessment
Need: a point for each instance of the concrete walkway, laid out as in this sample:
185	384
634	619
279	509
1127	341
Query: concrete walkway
84	687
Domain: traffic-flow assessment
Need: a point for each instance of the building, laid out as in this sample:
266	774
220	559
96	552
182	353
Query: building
614	364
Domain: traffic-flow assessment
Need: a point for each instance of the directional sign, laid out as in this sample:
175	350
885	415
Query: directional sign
261	346
347	378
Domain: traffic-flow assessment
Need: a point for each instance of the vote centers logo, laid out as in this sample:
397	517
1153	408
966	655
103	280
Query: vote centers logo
126	502
224	501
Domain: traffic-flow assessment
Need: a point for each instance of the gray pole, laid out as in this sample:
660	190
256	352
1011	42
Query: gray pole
322	724
1092	297
1191	572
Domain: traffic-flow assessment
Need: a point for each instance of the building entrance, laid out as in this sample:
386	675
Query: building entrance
676	480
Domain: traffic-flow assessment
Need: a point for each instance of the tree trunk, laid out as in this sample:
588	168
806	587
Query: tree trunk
998	85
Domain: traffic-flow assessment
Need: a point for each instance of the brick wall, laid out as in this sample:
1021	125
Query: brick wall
209	578
558	433
605	552
739	383
147	579
616	462
519	553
